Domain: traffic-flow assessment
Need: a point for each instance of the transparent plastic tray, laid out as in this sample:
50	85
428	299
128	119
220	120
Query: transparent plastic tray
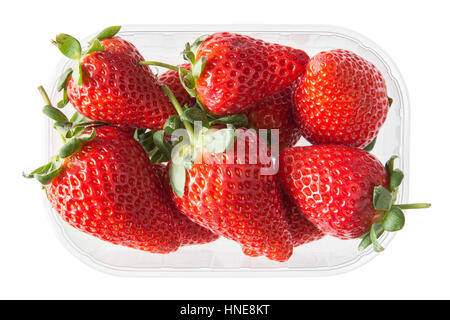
224	257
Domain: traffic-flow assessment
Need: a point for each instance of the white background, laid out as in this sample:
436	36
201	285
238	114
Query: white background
34	264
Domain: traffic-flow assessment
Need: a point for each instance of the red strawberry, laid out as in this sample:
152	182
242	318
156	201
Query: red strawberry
341	99
302	230
333	186
190	232
275	112
113	87
240	71
232	197
346	192
171	79
109	189
250	252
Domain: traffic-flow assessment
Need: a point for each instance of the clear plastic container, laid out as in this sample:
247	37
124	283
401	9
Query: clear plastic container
224	257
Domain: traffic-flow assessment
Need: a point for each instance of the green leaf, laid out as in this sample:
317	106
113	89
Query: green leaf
195	114
65	100
74	144
198	67
46	173
107	33
157	157
371	145
394	220
366	241
88	137
63	79
78	117
172	124
188	54
390	101
390	165
78	73
54	114
374	239
137	133
146	140
95	46
197	43
63	128
68	45
395	179
188	83
219	141
69	148
237	120
177	175
163	146
382	198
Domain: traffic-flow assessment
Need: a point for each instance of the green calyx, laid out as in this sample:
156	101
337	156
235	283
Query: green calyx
73	134
71	48
46	173
188	78
185	135
393	218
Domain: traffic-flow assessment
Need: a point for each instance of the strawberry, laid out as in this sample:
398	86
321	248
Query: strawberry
109	189
171	79
302	230
227	194
275	112
346	192
107	83
250	252
232	72
341	99
239	71
221	183
102	183
191	233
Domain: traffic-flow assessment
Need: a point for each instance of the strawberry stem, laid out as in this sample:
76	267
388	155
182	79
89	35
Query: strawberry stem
179	110
413	206
44	96
164	65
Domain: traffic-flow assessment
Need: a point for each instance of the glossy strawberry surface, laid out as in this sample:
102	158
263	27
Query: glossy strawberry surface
191	233
275	112
117	89
171	79
232	197
333	186
302	230
341	99
109	189
241	71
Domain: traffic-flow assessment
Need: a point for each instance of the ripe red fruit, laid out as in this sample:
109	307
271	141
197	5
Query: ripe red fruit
250	252
275	112
109	189
117	89
302	230
231	197
333	186
191	233
341	99
171	79
240	71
